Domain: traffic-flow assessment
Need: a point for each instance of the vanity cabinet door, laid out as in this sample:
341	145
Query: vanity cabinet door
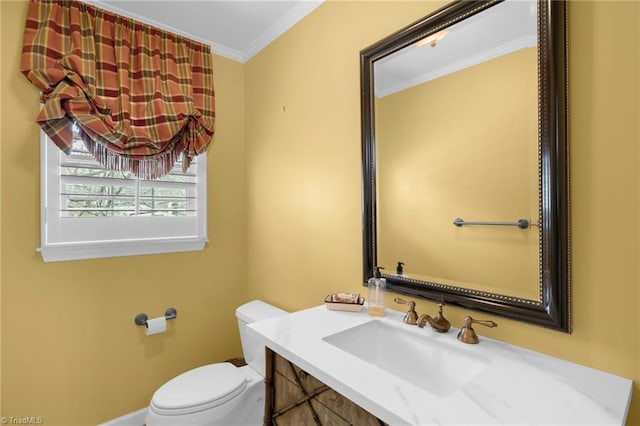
289	394
345	408
328	417
297	410
295	398
294	373
302	415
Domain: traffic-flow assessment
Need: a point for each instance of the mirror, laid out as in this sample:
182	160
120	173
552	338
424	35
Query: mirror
465	177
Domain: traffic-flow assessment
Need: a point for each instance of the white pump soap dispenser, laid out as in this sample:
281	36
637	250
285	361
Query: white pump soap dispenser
377	286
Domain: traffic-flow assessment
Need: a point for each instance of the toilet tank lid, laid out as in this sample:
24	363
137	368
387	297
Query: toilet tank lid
257	310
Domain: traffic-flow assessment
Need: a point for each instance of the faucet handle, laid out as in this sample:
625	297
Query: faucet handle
411	317
467	334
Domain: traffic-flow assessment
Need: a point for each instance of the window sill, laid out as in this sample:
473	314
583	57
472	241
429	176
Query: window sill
101	249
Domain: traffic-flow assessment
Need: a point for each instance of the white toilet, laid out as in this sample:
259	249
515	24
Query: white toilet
218	394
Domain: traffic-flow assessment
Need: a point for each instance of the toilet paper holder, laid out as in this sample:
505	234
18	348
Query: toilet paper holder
141	319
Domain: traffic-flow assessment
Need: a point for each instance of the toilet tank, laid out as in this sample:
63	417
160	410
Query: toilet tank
251	348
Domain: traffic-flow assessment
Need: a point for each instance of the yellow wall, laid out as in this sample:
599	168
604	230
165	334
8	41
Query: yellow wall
303	163
303	151
287	152
440	157
71	352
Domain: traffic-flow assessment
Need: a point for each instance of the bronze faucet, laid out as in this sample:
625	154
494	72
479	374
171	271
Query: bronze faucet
411	317
467	333
439	323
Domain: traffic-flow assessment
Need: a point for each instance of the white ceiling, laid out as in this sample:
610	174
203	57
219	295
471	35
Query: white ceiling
236	29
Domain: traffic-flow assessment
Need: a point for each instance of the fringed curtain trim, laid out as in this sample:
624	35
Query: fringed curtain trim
139	95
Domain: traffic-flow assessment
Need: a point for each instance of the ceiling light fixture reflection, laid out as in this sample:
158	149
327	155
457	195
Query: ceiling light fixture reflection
432	39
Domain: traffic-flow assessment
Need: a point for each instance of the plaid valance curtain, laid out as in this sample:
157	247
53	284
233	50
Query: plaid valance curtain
139	95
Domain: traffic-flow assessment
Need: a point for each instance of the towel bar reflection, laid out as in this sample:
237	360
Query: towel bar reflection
521	223
141	319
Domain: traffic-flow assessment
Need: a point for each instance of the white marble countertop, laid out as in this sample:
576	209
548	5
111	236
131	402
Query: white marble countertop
518	386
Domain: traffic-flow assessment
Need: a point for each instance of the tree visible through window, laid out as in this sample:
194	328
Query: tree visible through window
89	190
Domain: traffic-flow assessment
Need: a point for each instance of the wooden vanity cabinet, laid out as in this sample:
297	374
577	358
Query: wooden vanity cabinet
295	398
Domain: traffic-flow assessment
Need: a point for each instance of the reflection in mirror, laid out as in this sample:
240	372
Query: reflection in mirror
458	123
431	169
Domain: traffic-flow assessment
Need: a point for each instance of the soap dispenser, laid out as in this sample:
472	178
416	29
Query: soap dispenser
377	286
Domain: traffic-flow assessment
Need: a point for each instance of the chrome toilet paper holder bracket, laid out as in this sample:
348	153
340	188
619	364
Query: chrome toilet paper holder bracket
141	319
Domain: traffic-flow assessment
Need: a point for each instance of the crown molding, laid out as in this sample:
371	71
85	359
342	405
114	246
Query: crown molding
449	68
282	25
302	9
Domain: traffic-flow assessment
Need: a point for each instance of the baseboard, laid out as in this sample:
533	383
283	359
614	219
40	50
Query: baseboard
132	419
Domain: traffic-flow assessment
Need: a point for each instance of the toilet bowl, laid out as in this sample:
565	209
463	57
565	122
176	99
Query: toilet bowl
218	394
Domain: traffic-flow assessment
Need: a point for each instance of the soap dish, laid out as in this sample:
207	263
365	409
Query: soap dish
355	306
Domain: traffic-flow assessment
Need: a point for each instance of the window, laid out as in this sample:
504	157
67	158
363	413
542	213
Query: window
90	212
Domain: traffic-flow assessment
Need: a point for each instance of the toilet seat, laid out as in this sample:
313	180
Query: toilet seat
199	389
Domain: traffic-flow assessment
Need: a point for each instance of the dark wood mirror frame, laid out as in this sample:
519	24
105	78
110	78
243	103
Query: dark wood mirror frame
553	309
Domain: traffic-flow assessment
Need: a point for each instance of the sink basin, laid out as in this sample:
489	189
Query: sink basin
434	366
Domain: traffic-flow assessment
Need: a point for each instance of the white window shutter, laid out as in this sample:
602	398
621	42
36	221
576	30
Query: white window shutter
91	212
